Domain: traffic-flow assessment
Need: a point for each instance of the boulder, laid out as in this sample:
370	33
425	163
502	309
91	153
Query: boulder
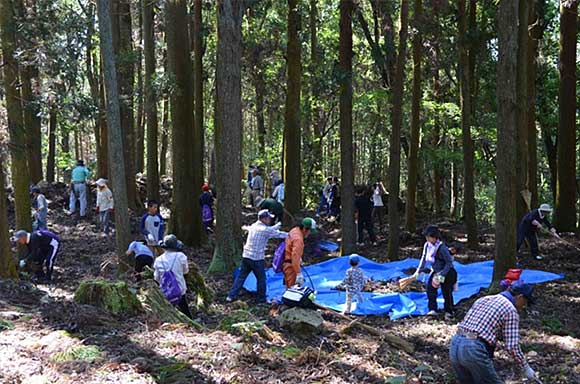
301	321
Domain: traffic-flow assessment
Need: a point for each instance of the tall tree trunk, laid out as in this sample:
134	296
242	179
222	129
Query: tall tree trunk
260	88
7	265
198	50
522	161
315	92
16	128
346	148
505	201
531	94
228	135
115	143
565	217
410	207
126	76
292	132
51	157
140	122
30	93
150	101
103	127
185	213
164	138
396	123
465	100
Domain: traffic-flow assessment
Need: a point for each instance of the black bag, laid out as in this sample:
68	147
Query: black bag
299	297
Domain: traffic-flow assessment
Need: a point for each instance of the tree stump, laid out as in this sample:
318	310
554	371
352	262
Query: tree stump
196	285
115	297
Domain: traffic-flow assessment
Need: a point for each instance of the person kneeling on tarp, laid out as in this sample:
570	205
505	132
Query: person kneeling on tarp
443	275
490	317
43	246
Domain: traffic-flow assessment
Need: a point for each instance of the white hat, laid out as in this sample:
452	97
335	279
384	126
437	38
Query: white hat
101	182
265	213
545	208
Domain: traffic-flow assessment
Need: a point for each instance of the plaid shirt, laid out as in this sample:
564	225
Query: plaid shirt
354	281
258	236
493	318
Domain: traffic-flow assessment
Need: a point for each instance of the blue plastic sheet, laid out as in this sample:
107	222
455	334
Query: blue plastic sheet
328	246
326	275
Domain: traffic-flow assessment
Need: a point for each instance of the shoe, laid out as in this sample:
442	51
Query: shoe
375	243
360	244
432	313
449	315
229	299
539	257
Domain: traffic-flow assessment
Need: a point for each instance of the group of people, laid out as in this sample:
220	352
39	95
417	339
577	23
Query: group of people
256	187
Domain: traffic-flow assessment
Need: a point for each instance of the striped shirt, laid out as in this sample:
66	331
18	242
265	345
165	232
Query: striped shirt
493	318
258	236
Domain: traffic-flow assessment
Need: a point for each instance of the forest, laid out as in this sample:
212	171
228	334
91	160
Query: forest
134	131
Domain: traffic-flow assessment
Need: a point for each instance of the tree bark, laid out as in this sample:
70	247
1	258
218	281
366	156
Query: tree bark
346	148
30	93
292	132
198	50
396	123
228	136
531	94
164	138
410	207
140	122
185	212
522	161
51	157
505	201
315	91
17	130
565	215
150	101
115	143
7	265
465	100
103	128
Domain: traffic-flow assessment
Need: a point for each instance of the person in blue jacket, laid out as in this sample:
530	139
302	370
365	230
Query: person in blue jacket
532	223
152	224
443	275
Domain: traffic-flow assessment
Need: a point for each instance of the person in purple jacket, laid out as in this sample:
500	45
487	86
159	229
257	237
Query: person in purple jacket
152	224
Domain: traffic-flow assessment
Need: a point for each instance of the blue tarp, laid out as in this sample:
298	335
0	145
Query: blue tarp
328	246
327	275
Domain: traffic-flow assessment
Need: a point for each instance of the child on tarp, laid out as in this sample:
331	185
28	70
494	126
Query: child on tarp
353	282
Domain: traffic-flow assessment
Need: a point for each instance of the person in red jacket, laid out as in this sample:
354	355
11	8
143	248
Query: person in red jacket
295	250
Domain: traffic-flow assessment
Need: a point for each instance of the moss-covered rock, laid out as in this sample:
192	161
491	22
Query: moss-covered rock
115	297
236	317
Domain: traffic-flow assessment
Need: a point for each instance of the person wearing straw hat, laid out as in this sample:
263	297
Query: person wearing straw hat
105	205
490	318
531	223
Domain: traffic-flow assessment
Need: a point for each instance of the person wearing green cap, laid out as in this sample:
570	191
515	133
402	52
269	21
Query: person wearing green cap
294	251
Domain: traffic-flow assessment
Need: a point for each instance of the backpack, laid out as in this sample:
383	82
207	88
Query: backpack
206	214
169	285
278	261
299	297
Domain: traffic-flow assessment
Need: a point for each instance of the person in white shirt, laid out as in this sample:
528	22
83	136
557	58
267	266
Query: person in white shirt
174	260
278	193
378	205
143	255
105	204
254	252
325	197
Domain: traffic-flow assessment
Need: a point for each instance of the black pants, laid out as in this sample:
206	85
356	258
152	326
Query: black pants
379	213
532	240
183	306
47	259
366	223
446	287
142	261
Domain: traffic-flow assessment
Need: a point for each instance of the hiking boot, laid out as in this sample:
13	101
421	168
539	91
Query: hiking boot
360	244
432	313
229	299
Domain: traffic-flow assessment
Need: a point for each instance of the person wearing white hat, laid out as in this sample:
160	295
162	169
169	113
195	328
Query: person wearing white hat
254	253
532	223
105	204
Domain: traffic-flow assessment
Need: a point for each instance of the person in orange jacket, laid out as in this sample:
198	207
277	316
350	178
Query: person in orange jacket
295	250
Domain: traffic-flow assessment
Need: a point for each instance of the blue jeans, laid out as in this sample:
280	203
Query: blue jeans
104	220
80	189
258	267
471	362
39	222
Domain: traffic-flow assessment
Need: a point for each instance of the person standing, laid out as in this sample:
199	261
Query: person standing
443	274
531	224
278	193
354	282
257	185
43	247
41	209
152	224
489	319
378	205
295	250
275	177
78	188
253	256
206	200
364	210
325	197
105	205
174	260
334	198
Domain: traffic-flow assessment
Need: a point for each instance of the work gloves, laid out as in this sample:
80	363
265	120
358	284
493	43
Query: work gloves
299	280
441	279
529	373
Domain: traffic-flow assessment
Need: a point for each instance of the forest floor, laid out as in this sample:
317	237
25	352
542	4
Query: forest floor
46	338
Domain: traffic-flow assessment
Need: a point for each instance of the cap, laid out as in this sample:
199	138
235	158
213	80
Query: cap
101	182
265	213
205	187
171	242
19	235
431	230
545	208
258	201
34	189
519	288
310	224
354	259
